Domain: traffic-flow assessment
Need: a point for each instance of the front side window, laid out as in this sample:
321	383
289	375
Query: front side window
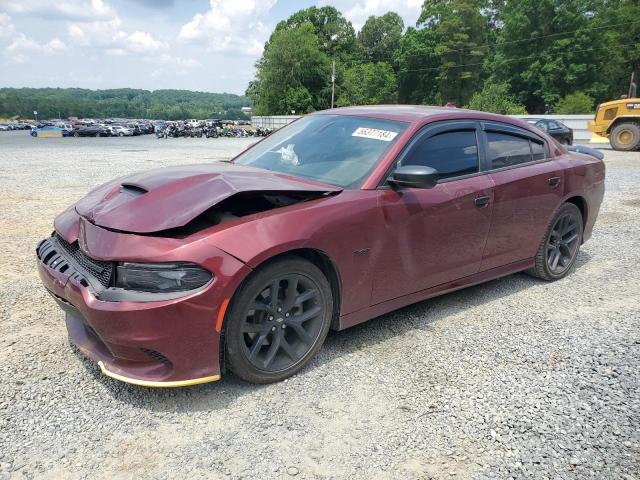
340	150
452	153
506	150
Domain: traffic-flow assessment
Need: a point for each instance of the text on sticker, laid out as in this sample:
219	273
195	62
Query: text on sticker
374	133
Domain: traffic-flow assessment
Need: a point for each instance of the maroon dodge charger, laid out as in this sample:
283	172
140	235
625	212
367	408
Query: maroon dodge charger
170	277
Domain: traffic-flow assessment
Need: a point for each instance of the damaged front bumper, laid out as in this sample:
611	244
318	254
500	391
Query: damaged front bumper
166	343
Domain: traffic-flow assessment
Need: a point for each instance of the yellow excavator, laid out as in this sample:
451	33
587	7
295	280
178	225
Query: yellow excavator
619	120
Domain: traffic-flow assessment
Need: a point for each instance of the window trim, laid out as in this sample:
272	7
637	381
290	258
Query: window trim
491	126
481	128
431	130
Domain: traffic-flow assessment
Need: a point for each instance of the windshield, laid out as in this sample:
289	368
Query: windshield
337	149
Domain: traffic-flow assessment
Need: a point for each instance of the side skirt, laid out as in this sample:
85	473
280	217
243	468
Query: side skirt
373	311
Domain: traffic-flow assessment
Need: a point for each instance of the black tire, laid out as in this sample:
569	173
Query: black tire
121	134
76	134
559	248
625	136
97	135
251	332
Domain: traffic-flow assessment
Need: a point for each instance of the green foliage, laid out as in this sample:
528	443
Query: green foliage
368	84
575	103
495	98
336	36
116	103
457	30
477	52
298	100
293	73
539	61
379	38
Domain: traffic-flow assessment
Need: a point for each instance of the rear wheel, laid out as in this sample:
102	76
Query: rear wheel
625	136
559	248
278	321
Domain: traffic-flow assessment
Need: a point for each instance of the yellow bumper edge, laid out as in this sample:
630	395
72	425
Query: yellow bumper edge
148	383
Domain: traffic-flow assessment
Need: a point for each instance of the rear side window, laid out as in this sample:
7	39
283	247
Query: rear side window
507	150
537	149
452	153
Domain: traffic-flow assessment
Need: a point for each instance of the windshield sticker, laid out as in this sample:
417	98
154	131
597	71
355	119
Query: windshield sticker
374	133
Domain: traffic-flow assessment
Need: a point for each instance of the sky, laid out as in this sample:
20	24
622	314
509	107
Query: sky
152	44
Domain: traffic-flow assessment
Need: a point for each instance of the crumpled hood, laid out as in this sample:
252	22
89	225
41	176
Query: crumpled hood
167	198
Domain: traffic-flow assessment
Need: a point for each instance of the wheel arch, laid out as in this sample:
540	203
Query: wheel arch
581	203
623	119
318	258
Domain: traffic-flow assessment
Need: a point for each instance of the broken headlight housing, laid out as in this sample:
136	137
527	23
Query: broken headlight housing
161	277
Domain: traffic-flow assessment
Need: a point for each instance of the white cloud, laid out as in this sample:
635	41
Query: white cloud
22	47
113	39
60	9
6	27
143	42
229	26
358	11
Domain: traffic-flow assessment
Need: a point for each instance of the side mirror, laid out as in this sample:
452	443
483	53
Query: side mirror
414	176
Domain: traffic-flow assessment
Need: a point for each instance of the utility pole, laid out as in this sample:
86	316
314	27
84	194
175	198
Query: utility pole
333	82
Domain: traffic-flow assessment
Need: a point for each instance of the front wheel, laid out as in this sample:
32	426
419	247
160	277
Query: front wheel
625	136
559	248
278	321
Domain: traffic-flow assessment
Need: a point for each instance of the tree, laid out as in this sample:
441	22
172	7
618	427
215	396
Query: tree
292	69
336	35
458	31
368	84
575	103
495	98
122	102
549	48
379	38
619	33
417	68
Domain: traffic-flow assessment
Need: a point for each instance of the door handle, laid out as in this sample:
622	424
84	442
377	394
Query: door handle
553	181
482	201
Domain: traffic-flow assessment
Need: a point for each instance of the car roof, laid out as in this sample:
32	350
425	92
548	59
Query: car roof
420	113
405	113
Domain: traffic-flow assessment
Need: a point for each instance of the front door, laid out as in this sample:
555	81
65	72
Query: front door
434	236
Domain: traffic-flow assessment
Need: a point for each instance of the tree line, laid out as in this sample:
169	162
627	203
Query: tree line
120	103
507	56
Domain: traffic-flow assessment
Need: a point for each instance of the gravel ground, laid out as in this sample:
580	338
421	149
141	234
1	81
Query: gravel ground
513	378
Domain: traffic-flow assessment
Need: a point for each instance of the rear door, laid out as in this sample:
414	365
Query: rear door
528	188
434	236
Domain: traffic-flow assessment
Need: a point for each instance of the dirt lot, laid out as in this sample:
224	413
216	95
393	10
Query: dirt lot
514	378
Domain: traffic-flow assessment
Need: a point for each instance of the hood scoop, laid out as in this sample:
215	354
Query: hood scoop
132	189
170	198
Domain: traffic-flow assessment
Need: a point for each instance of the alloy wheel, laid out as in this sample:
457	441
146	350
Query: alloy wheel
563	243
283	323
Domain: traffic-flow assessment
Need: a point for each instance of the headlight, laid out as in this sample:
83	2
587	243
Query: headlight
161	277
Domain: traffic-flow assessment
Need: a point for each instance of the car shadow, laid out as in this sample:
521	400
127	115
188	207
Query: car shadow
219	395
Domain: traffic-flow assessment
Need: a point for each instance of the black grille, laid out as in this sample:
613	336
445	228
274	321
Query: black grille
101	270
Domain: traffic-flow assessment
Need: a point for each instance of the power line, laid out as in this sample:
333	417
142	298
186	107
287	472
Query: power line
523	40
528	57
